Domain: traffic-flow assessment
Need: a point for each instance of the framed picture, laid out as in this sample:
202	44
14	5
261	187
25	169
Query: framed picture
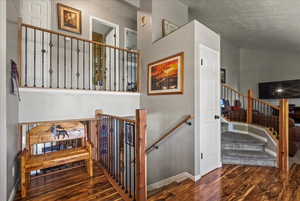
166	76
168	27
69	19
223	75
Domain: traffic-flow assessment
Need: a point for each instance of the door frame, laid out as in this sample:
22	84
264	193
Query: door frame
125	36
108	23
197	148
3	131
49	12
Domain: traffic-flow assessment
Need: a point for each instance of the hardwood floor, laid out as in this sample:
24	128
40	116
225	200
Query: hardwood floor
237	183
230	183
72	185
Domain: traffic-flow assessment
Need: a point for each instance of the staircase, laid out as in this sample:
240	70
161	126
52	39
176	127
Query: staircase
243	149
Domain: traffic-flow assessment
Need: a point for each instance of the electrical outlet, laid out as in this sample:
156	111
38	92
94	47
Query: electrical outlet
13	171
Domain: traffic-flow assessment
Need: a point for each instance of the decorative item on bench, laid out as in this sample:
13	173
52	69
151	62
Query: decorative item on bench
50	145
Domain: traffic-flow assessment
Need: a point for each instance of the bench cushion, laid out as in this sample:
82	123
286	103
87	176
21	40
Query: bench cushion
37	162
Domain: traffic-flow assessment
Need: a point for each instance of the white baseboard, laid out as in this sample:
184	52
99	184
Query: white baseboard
177	178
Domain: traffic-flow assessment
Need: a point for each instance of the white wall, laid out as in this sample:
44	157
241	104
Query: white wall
46	105
12	100
267	66
230	60
177	153
3	144
171	10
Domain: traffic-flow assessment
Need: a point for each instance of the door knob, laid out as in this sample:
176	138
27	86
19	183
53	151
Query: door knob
217	117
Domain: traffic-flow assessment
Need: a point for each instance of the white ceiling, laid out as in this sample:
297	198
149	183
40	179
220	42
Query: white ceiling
252	23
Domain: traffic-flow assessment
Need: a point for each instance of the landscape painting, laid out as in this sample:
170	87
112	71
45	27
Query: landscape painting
166	76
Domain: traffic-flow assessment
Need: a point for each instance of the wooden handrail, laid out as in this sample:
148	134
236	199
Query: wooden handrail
77	38
234	90
189	117
266	103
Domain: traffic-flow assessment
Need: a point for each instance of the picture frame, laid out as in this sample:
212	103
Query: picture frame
69	19
168	27
223	76
166	76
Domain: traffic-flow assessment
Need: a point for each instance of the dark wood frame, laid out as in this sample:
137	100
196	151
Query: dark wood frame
59	17
181	54
223	81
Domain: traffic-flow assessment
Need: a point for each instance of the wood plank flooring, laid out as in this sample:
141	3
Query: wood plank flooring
72	185
237	183
230	183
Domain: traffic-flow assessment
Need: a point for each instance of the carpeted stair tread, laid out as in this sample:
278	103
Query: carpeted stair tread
232	137
246	154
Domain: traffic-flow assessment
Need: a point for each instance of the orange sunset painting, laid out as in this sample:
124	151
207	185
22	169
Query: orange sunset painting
165	76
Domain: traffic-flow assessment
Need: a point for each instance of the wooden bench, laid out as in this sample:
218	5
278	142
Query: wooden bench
31	160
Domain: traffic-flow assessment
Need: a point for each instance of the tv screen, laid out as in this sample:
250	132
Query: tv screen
281	89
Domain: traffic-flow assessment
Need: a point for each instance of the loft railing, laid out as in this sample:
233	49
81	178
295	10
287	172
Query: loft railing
246	108
122	153
55	60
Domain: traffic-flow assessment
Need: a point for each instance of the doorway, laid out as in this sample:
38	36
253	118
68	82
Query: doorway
104	32
209	110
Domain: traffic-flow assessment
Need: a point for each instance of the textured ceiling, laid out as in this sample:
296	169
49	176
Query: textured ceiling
252	23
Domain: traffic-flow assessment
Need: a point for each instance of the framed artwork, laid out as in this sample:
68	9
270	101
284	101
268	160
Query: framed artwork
168	27
223	75
69	19
166	76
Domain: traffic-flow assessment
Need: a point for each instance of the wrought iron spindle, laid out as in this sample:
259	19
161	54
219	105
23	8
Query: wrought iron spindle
83	62
51	69
65	64
34	59
26	57
77	74
43	59
57	73
71	65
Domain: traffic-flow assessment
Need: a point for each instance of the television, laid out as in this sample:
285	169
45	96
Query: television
280	89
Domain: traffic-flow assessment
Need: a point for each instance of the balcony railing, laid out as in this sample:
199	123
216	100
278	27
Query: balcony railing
50	59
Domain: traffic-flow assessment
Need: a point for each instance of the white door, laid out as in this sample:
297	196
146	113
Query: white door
210	127
37	13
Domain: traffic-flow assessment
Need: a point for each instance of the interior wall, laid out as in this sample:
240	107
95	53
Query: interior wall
12	100
176	154
267	66
230	60
47	105
173	11
115	11
3	136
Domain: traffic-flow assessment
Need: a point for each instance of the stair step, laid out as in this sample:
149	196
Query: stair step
242	146
234	137
257	158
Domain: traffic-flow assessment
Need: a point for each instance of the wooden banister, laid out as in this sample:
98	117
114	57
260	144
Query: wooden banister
189	117
284	136
250	107
76	38
141	155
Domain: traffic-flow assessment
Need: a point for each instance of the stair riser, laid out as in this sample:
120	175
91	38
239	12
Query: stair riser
244	147
254	162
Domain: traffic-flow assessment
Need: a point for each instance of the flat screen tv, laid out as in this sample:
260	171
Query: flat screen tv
281	89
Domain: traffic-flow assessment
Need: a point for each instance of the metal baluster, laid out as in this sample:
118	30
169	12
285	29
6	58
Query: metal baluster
89	66
126	159
83	73
57	61
123	70
65	64
134	160
51	69
34	60
115	69
119	69
94	66
127	64
131	72
110	67
130	133
77	74
26	56
43	59
71	63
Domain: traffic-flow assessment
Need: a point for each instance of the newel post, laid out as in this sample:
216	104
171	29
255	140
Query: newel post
141	155
283	160
250	107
